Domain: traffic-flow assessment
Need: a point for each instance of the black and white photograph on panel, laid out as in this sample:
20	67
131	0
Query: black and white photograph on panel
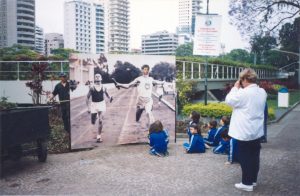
119	96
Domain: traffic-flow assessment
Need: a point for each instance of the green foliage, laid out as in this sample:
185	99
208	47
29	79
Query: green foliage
221	61
4	104
185	90
239	55
289	36
18	53
185	50
215	110
62	53
271	114
58	140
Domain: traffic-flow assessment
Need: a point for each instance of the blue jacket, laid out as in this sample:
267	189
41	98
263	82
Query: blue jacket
159	141
217	137
223	147
211	135
196	144
188	130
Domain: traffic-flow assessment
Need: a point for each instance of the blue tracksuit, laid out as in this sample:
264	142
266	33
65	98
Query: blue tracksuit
232	156
188	130
196	144
159	142
217	137
223	147
210	138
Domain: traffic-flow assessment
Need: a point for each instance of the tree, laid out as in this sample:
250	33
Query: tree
289	36
62	53
261	46
125	72
163	71
240	55
252	16
185	50
18	53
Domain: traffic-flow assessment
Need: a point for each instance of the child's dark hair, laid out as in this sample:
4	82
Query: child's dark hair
224	134
156	127
226	120
197	127
213	123
195	116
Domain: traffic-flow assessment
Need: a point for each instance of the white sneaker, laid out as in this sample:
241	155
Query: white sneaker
243	187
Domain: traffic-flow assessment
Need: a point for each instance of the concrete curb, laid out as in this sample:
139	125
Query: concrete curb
285	113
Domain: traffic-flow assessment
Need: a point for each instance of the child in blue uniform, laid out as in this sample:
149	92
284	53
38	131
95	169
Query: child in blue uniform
224	122
212	125
227	146
159	139
196	144
195	118
224	145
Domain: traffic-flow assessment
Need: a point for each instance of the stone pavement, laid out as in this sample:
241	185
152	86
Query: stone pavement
129	170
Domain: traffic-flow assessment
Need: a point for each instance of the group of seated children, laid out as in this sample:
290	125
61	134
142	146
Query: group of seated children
217	138
220	140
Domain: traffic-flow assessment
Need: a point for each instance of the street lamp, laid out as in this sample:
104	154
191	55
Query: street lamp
294	53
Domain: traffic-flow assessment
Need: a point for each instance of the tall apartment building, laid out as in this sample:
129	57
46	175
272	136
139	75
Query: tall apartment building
118	21
39	40
17	23
84	26
188	9
160	43
53	41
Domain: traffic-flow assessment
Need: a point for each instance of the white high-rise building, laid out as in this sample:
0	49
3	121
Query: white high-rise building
84	26
53	41
160	43
17	23
188	9
39	40
118	20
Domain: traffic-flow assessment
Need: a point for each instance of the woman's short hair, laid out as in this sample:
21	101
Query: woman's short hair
249	75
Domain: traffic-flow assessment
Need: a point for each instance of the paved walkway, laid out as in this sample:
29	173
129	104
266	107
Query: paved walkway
129	170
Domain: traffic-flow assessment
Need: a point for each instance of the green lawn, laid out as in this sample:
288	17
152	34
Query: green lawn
294	97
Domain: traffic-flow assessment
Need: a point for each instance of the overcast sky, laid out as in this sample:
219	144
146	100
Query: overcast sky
146	17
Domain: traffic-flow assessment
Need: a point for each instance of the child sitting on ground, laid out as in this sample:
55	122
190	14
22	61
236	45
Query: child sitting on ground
196	144
195	118
159	139
224	122
227	146
224	145
212	125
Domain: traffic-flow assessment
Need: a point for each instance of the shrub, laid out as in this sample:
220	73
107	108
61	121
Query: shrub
271	114
216	110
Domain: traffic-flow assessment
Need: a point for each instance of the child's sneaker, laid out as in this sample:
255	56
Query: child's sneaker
228	163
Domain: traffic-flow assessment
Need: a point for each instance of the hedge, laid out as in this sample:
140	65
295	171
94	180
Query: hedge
216	110
224	62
